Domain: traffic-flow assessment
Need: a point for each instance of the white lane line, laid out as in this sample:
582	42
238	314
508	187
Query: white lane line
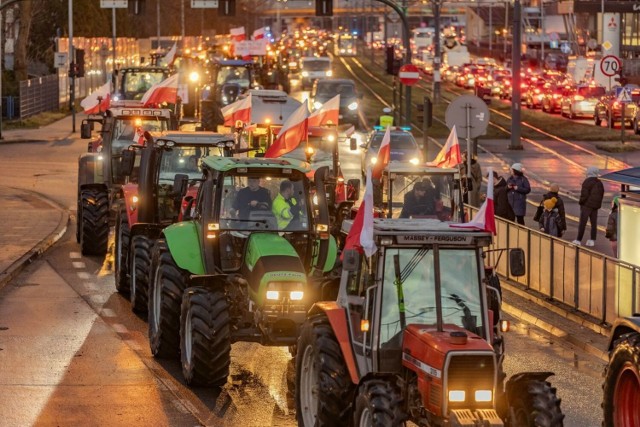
75	255
98	299
90	286
107	312
120	328
79	264
83	275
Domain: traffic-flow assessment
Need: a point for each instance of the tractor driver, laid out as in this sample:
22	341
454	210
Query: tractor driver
251	198
423	200
285	207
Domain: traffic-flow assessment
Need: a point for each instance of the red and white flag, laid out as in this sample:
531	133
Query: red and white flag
171	55
328	114
449	156
259	33
91	105
384	154
165	91
238	110
138	136
485	218
294	130
237	34
361	234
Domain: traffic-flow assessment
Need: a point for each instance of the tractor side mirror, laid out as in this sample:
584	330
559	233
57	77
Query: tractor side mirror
180	181
353	144
517	262
351	260
85	131
127	161
353	189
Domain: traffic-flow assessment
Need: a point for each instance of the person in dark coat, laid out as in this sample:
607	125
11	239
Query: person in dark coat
612	227
591	195
517	189
553	192
501	205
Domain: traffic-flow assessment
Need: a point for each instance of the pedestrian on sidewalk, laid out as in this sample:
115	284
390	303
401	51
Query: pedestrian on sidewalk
501	205
517	189
612	227
554	190
472	191
591	195
550	221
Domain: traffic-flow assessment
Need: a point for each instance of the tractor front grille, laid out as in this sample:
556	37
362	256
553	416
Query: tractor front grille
470	372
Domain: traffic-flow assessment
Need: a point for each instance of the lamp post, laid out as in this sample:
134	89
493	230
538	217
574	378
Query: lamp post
516	144
436	4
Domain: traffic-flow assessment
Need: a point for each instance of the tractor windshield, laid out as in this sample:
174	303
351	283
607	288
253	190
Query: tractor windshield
420	196
231	74
321	151
184	160
136	83
460	290
252	202
127	131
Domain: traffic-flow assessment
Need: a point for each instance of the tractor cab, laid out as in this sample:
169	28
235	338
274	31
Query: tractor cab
229	79
133	82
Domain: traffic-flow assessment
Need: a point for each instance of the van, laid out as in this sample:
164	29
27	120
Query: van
313	68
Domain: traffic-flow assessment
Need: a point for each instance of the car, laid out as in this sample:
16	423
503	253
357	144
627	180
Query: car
581	102
325	89
313	68
403	147
552	98
532	97
609	108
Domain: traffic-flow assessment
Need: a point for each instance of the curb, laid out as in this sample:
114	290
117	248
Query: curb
14	269
23	141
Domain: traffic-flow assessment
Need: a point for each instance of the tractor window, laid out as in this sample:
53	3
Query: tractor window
238	75
460	289
135	84
421	196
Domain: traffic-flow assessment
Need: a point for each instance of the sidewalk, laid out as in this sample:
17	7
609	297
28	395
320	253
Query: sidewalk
55	131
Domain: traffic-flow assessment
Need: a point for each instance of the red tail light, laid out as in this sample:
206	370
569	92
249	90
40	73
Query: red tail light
578	98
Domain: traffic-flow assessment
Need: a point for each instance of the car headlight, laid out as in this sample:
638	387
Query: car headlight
317	105
456	396
305	74
352	106
374	160
329	73
483	395
194	76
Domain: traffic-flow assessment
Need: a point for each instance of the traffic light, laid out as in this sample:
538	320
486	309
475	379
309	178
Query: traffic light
79	62
227	8
324	7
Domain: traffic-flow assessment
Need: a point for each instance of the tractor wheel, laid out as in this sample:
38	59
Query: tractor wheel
622	383
533	404
122	252
378	404
323	384
94	221
165	298
139	267
205	337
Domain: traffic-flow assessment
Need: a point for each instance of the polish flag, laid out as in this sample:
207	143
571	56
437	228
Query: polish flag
238	110
449	156
361	234
259	33
165	91
138	136
90	103
485	218
383	156
328	114
237	34
294	130
171	55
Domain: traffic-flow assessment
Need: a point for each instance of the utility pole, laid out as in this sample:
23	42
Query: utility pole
436	51
491	28
158	22
113	28
182	19
506	27
516	144
72	87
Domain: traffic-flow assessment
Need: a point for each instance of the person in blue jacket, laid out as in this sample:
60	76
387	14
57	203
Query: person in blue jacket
517	189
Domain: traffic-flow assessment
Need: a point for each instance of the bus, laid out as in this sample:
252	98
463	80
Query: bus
423	37
345	45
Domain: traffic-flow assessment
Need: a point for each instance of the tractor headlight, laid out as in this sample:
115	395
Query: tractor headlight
483	395
194	76
414	161
329	73
352	106
374	160
296	295
456	395
317	105
273	295
278	290
305	74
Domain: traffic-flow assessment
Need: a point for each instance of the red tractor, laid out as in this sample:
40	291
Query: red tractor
415	335
621	386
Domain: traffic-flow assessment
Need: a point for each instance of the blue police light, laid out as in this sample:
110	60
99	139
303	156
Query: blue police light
405	128
354	32
378	128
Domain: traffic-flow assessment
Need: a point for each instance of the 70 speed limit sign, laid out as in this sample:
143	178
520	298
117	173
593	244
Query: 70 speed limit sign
610	65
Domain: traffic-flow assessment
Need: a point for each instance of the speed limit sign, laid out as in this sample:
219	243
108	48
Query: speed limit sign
610	65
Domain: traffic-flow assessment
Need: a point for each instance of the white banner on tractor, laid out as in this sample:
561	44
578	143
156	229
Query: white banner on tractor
251	47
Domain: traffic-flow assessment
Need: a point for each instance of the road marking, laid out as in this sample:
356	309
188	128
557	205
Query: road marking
79	264
91	286
98	299
107	312
75	255
120	328
83	275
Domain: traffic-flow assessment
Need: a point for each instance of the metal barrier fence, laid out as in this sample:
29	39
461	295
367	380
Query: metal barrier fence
38	95
588	281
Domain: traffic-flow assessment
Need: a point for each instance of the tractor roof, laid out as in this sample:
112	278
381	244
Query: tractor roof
191	138
228	163
413	231
142	112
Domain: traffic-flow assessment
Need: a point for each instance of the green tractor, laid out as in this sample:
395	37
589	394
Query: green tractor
101	171
246	267
169	164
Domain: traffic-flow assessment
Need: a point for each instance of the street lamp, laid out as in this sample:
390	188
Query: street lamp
516	144
436	50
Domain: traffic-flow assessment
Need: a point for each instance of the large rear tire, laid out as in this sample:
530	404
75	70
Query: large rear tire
323	385
621	385
122	237
205	337
534	403
165	299
94	221
139	267
378	404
